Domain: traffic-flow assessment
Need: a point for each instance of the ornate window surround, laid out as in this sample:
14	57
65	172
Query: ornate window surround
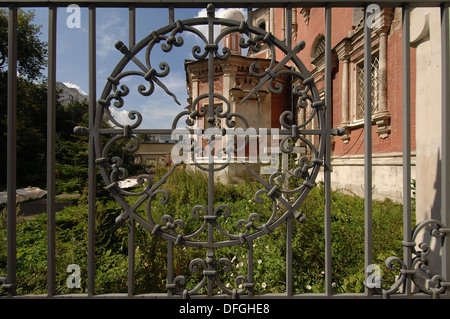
356	62
350	53
318	48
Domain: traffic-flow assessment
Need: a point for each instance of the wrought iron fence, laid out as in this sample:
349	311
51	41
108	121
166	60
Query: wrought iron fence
224	124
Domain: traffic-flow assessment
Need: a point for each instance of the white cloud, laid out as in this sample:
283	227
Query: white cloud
219	14
121	116
74	86
110	28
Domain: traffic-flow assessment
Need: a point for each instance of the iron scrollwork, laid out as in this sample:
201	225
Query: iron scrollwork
274	189
418	269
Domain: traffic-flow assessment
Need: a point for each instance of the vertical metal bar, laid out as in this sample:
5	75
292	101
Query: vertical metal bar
92	187
171	15
51	155
250	267
210	115
327	159
289	284
131	221
406	76
12	148
211	15
132	25
131	256
445	165
170	266
367	144
289	26
250	15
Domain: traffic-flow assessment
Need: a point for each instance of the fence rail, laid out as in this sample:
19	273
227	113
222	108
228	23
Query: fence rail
227	4
407	273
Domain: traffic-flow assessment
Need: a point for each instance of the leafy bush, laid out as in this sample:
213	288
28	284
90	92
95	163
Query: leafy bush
188	189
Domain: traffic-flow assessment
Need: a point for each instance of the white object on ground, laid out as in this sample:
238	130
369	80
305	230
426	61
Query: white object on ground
24	194
130	182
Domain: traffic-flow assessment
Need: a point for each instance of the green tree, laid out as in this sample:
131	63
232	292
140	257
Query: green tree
31	132
71	150
31	51
31	100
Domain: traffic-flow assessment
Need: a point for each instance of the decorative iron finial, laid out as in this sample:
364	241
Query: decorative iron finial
210	9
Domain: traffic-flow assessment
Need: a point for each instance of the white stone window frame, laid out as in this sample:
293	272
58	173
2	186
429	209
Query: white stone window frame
349	52
263	16
357	88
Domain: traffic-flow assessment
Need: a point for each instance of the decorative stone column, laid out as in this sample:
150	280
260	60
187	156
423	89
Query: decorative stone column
272	20
343	52
294	24
382	116
382	103
229	75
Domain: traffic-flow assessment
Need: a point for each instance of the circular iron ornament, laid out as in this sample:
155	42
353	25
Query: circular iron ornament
168	37
111	167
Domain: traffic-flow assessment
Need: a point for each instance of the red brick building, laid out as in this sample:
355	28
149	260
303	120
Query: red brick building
308	24
233	81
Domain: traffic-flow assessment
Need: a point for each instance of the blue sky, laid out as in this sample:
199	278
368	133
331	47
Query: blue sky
158	109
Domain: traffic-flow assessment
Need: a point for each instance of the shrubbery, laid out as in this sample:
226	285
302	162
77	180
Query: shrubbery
188	189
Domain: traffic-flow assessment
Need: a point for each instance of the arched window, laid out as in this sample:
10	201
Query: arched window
318	47
262	25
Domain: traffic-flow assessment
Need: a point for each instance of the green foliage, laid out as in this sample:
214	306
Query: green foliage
31	132
31	100
31	51
71	150
188	189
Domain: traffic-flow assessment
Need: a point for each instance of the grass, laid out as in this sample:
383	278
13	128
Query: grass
188	189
